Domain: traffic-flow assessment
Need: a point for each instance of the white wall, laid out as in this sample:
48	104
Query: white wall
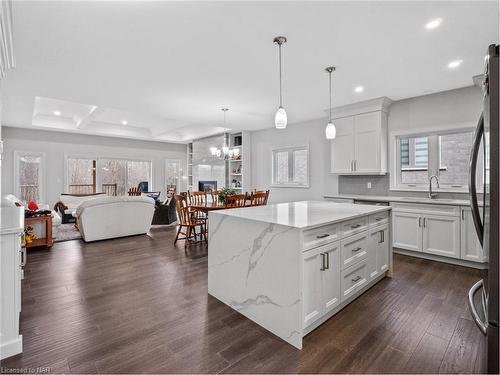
443	108
57	144
310	133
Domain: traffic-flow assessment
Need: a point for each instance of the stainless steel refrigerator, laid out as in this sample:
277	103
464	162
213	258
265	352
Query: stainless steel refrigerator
485	203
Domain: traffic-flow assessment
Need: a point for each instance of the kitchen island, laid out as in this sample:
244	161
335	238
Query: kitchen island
291	266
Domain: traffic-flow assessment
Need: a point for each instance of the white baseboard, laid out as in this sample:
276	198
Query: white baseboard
10	348
437	258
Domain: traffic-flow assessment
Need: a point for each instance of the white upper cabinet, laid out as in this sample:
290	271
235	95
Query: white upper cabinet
360	146
342	152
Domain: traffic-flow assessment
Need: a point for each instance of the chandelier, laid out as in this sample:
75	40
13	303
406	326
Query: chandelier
224	153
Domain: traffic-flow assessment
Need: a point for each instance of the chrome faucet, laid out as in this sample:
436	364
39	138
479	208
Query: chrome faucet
431	193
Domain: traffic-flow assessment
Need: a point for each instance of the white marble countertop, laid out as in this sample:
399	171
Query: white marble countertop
303	214
12	220
388	198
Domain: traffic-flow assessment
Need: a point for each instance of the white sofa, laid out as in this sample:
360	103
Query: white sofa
72	201
110	217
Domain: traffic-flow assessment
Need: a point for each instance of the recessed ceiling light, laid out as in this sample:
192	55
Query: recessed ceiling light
433	23
359	89
124	122
57	113
454	64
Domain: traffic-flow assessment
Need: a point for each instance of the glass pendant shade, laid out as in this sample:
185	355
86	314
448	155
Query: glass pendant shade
330	131
280	120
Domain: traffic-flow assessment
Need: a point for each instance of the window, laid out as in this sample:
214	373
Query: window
172	175
291	167
445	155
414	156
29	176
81	176
118	176
454	152
87	175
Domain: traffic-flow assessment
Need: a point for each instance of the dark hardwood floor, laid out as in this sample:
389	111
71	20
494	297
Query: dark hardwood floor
139	304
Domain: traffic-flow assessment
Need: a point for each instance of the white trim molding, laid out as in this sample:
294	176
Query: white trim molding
7	60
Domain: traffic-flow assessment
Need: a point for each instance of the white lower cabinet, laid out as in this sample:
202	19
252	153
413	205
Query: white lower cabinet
470	248
321	269
353	278
406	230
378	259
441	230
11	262
337	271
441	235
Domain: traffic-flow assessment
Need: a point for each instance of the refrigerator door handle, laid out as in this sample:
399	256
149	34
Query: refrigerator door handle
478	134
477	319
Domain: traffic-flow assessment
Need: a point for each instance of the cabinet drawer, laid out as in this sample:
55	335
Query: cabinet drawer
353	278
354	226
379	218
353	249
320	235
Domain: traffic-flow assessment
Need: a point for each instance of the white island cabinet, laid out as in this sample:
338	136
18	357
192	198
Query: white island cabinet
12	258
291	266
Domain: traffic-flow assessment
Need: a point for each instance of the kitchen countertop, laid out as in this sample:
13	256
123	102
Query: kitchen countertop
387	198
303	214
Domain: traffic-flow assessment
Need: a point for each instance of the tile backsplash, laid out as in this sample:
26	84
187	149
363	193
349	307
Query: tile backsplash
357	185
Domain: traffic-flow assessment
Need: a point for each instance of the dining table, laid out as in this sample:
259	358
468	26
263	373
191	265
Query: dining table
210	206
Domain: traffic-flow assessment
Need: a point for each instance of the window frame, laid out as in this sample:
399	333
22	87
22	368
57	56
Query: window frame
99	164
179	176
77	156
291	174
434	159
41	176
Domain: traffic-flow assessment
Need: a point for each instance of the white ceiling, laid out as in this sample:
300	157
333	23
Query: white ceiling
168	67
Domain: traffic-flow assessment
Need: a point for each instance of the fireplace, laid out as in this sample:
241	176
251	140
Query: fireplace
207	185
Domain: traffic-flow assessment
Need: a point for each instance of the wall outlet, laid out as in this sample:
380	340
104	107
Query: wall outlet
369	185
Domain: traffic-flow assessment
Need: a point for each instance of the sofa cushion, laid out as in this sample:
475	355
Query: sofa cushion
102	201
73	201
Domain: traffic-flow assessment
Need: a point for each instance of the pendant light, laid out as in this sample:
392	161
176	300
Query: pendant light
331	130
280	119
225	147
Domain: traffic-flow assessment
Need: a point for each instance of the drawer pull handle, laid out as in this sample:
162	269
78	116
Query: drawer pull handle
379	218
322	236
356	249
23	257
355	226
323	266
356	279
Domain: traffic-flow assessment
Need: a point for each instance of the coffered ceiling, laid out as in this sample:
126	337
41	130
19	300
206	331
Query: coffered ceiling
162	70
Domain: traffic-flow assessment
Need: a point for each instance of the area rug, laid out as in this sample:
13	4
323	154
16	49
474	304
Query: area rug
67	232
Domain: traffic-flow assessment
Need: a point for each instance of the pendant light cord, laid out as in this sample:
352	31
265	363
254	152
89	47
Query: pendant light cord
330	96
281	101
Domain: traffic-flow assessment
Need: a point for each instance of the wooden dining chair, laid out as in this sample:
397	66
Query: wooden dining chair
198	198
215	195
189	223
267	197
258	198
237	200
134	191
